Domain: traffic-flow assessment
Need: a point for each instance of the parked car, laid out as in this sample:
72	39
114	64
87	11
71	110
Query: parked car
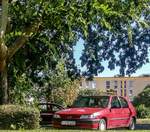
97	112
47	111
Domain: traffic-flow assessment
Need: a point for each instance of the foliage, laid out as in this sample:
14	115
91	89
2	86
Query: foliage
142	111
143	97
57	32
90	92
40	32
23	92
114	48
59	88
127	48
18	117
142	103
66	95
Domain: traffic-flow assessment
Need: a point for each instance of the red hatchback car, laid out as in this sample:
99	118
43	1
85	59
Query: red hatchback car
97	112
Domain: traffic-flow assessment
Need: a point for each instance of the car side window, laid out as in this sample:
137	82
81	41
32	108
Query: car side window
115	103
124	103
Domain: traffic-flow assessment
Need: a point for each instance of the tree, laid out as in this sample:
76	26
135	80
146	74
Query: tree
127	49
34	19
57	86
55	24
103	45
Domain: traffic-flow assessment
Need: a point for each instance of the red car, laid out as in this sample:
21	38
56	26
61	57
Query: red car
97	112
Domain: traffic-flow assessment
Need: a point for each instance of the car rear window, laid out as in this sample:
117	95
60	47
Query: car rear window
101	101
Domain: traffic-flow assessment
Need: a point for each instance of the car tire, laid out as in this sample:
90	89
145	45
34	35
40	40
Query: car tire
102	125
132	124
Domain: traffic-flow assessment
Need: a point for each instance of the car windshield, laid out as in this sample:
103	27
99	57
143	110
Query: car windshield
101	101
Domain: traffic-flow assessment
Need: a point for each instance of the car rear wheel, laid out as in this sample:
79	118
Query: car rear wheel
102	125
132	124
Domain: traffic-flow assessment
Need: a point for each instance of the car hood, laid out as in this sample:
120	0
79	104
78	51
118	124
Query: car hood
79	111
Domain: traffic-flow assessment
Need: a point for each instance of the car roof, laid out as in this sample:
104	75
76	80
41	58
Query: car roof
44	103
94	96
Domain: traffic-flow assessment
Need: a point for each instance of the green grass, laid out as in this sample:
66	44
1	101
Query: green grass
72	131
139	121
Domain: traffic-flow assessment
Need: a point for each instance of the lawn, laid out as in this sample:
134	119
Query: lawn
139	121
40	130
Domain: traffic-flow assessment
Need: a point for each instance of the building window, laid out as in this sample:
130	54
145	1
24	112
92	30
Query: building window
80	84
125	84
121	92
130	92
125	92
93	84
115	92
90	84
121	84
87	84
131	84
108	84
115	84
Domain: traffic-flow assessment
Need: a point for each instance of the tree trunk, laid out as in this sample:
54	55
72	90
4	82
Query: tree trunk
3	86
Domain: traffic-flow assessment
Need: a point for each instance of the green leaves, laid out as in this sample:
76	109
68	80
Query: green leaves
62	23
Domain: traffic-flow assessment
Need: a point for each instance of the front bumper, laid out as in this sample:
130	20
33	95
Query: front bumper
79	123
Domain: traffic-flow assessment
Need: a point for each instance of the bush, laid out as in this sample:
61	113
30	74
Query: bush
90	92
142	111
18	117
67	94
143	97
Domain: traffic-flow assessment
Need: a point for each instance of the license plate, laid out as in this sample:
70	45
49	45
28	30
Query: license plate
68	123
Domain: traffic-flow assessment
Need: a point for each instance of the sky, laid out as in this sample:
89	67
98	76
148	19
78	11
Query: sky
107	73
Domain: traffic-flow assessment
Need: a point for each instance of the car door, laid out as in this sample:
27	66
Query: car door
114	117
125	112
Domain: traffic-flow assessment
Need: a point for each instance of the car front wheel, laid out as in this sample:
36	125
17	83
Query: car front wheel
102	125
132	124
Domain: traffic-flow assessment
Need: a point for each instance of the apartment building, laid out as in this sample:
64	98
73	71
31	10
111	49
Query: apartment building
124	86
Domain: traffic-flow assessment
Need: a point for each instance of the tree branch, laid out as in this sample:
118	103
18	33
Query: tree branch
3	47
22	39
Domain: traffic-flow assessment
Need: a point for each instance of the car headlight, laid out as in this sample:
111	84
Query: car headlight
94	115
56	116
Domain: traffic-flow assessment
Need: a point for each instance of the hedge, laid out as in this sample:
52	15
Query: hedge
142	111
18	117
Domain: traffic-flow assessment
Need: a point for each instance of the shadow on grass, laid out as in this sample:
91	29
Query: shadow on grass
138	127
143	127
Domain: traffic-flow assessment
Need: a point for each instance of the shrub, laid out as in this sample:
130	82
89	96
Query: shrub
67	94
18	117
143	97
142	111
90	92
